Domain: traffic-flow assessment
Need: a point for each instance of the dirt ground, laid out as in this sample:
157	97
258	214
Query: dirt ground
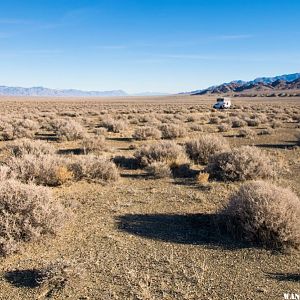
145	238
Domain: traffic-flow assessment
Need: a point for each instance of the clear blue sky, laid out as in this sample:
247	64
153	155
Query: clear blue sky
146	45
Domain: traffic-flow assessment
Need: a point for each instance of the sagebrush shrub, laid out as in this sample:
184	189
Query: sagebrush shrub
6	173
20	128
147	133
94	167
266	131
266	214
242	163
224	127
172	131
93	143
237	122
68	130
200	149
27	211
113	125
43	170
159	170
252	122
26	146
247	133
164	151
276	124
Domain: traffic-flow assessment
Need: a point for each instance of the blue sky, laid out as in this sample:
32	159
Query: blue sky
146	45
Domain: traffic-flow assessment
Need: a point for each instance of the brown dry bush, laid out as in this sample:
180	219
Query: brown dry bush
164	151
6	173
252	122
26	146
276	124
50	170
21	128
113	125
247	133
68	130
93	143
237	122
242	163
94	167
224	127
266	214
200	149
27	211
214	120
172	131
197	127
266	131
147	133
159	170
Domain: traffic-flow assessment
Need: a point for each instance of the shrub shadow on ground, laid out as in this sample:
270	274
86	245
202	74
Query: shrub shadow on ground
23	278
284	276
196	229
276	146
74	151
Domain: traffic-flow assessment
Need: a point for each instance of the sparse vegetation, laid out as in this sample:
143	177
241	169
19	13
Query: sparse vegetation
172	131
266	214
68	130
242	163
105	176
159	170
147	133
27	211
199	150
164	151
94	167
49	170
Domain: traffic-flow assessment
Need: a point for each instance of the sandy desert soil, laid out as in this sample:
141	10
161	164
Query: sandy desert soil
145	238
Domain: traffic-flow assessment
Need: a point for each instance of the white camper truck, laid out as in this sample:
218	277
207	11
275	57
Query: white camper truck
224	102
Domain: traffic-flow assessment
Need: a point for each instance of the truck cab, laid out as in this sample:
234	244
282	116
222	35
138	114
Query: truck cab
222	103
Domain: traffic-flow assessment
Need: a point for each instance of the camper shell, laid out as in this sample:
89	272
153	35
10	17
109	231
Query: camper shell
222	102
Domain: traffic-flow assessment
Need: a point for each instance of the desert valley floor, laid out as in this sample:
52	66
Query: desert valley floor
143	237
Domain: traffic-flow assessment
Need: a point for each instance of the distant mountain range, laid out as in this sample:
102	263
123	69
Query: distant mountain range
278	85
45	92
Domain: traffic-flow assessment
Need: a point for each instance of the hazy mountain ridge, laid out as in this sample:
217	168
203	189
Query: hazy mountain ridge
46	92
261	84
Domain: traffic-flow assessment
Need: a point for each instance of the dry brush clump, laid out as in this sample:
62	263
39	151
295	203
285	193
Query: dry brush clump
49	170
26	146
247	133
159	170
113	125
237	122
200	149
68	130
242	163
266	131
172	131
27	211
93	143
6	173
224	127
20	128
265	214
147	133
164	151
94	167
